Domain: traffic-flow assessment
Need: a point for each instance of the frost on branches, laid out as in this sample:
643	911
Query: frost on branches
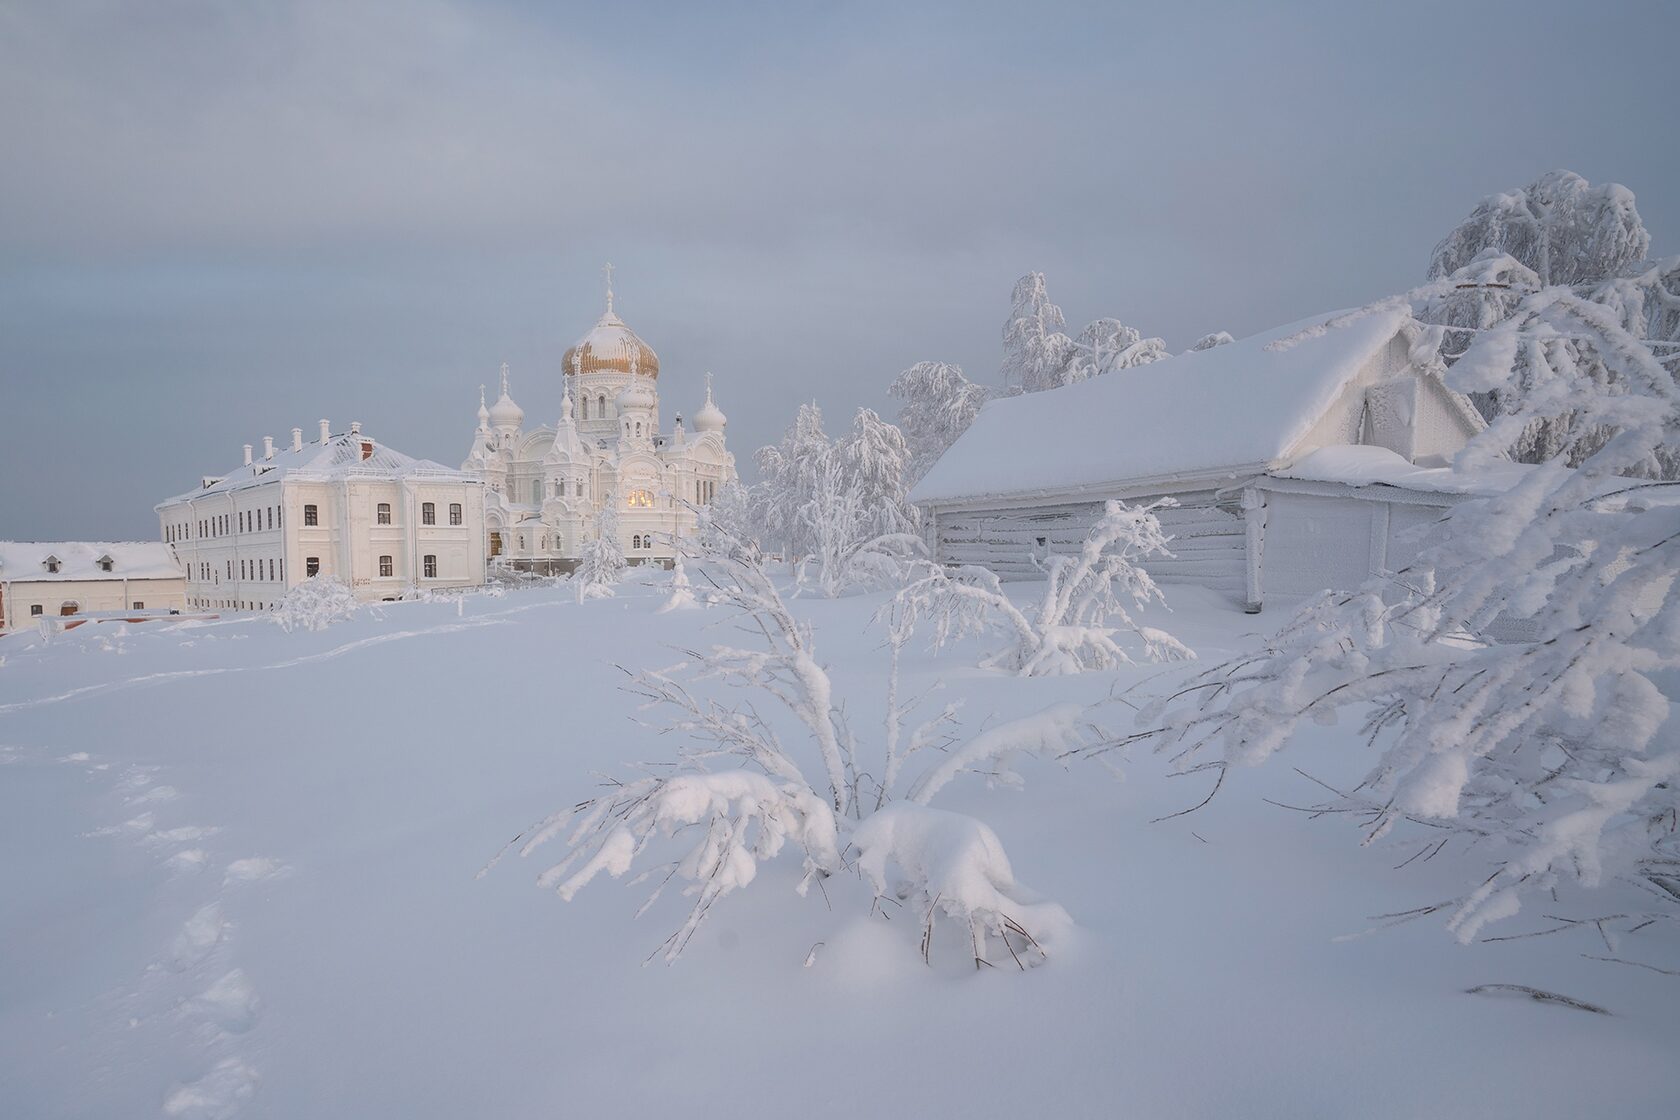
788	774
1038	356
1080	621
1557	756
1559	227
939	405
316	604
602	564
840	508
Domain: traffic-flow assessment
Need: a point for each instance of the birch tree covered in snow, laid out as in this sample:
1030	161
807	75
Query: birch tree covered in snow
1038	356
1081	618
1107	345
1558	754
782	770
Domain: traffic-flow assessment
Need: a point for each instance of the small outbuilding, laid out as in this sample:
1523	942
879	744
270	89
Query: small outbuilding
1300	459
61	579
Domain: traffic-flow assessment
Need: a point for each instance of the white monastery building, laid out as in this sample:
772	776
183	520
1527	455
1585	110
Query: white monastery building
545	487
57	579
1305	458
344	505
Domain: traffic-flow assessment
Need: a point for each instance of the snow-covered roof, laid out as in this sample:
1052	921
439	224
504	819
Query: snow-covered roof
340	457
1378	466
1240	406
25	561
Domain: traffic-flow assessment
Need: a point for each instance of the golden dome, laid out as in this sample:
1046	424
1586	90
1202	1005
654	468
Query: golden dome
611	347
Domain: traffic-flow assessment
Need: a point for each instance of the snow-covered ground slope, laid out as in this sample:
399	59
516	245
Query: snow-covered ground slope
237	877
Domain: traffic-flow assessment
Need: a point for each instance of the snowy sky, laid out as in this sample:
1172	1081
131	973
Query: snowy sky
220	221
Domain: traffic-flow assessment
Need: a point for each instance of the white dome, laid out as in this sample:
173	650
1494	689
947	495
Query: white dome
710	418
636	395
505	414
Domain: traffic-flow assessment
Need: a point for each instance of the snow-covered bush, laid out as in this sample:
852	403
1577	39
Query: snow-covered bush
315	604
739	793
1209	341
1082	615
602	564
1107	345
1557	755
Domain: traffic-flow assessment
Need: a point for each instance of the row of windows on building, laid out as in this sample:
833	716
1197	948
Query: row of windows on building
70	607
382	513
249	570
247	521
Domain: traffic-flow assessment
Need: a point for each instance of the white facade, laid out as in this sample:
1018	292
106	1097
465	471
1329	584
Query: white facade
344	506
545	486
1219	431
57	579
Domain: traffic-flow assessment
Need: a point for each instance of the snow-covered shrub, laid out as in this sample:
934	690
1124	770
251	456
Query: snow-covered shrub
1558	755
1082	616
315	604
1209	341
739	790
602	564
1107	345
1038	356
954	865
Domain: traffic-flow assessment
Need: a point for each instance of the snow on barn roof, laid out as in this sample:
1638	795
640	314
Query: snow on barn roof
346	455
26	561
1238	406
1378	466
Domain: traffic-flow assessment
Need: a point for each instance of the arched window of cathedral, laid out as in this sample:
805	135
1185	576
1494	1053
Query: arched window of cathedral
601	405
536	491
639	499
585	408
638	429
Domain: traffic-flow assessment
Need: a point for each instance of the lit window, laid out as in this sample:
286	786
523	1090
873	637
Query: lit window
385	566
454	513
495	544
384	513
430	566
639	499
311	516
428	513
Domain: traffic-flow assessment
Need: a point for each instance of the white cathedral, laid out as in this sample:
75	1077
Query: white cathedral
544	488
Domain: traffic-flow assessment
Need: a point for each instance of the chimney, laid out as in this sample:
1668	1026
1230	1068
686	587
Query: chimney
268	447
326	431
355	427
247	454
297	439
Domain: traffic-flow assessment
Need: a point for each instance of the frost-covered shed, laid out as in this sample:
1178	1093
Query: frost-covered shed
1223	431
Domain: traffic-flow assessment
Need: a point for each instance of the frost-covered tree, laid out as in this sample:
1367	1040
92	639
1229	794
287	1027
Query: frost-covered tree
315	604
783	771
1209	341
602	564
788	473
1083	614
939	405
1560	227
839	508
1557	755
1106	345
1036	353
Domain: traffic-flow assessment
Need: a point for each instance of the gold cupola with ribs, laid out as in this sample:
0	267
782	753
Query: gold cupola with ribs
611	347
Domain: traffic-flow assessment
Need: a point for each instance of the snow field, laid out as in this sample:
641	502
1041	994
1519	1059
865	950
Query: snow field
240	880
